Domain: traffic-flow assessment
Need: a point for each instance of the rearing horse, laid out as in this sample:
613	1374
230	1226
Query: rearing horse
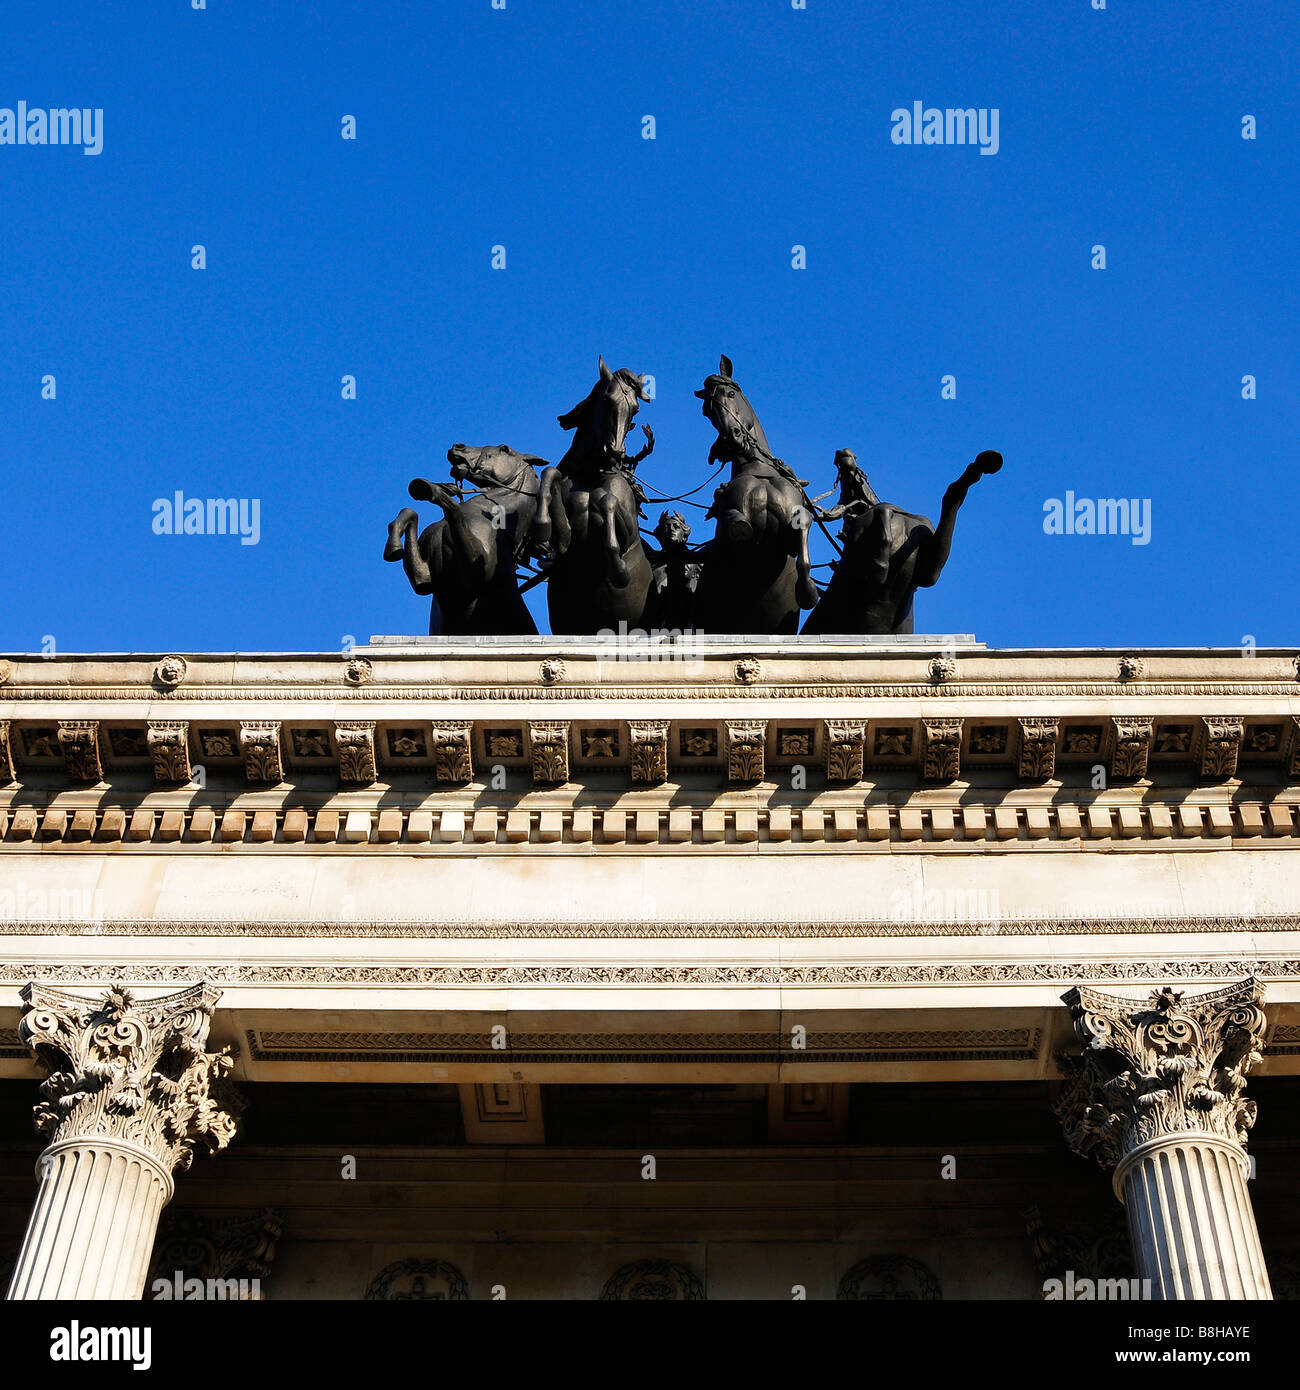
759	573
587	519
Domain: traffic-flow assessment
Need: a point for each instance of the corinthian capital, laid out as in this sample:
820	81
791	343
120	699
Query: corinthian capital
1174	1066
128	1070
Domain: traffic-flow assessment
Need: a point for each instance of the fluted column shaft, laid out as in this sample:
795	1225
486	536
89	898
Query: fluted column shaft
1191	1221
93	1223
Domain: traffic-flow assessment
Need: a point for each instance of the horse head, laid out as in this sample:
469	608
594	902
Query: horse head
603	418
494	465
740	435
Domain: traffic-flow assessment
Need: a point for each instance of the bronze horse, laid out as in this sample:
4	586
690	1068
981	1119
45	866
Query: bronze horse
598	574
888	553
758	573
467	560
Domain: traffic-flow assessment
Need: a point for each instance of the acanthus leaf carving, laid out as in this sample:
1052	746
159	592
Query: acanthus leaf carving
845	743
79	743
746	743
134	1071
1222	744
1038	748
169	745
648	741
452	758
259	743
355	741
942	749
549	742
1132	746
1176	1065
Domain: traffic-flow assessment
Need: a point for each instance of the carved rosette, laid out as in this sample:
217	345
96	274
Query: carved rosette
356	744
942	749
549	743
1222	744
452	758
1038	749
746	742
648	741
260	745
1173	1067
134	1072
169	745
845	742
6	754
79	743
1132	747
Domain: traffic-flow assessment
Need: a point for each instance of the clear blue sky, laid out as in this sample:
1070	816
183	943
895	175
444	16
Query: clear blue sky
523	127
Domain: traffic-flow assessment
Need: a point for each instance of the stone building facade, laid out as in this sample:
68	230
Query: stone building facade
563	968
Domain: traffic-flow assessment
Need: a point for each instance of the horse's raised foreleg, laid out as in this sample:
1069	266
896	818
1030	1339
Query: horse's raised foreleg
550	532
933	554
402	545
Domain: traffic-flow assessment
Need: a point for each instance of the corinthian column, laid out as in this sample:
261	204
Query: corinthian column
126	1101
1157	1095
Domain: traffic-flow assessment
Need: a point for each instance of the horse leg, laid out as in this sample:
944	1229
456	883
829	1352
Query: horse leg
541	529
617	565
806	594
404	521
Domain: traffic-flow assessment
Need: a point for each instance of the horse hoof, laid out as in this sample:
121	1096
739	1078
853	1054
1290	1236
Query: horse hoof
806	594
989	461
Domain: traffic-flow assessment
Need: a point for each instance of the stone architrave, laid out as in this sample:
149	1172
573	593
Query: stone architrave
648	740
1157	1095
452	758
127	1099
169	744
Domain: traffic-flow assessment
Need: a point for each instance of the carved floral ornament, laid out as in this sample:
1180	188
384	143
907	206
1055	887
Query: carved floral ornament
1175	1066
170	672
132	1071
